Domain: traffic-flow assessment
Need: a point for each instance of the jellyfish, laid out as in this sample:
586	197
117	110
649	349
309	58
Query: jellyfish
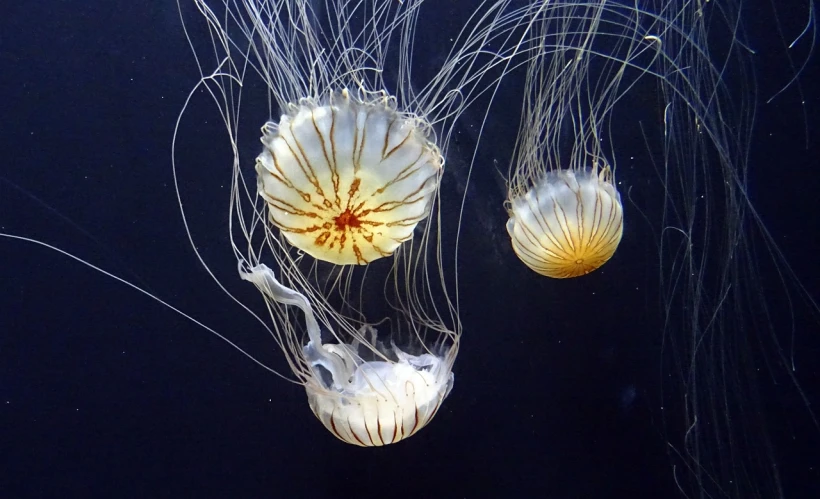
565	211
668	88
340	231
347	180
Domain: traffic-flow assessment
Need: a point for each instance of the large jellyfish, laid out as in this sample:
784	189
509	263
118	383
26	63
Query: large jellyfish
340	231
599	64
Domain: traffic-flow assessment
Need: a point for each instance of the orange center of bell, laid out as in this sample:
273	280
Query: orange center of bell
347	219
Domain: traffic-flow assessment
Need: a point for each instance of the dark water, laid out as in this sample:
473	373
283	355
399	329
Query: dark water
104	393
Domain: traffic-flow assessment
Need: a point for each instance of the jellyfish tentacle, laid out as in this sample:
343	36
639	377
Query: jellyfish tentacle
264	279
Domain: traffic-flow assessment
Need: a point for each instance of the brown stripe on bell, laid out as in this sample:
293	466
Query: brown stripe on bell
347	179
568	223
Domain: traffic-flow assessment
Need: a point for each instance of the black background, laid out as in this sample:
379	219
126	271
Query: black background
104	393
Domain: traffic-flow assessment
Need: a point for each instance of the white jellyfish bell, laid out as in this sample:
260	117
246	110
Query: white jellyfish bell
342	223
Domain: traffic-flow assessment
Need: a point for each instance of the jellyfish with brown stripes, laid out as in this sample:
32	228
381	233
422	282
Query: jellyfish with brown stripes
565	211
347	179
672	87
569	222
341	230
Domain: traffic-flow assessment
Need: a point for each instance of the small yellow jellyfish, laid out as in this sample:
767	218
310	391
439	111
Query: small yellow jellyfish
565	211
568	223
341	234
672	85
